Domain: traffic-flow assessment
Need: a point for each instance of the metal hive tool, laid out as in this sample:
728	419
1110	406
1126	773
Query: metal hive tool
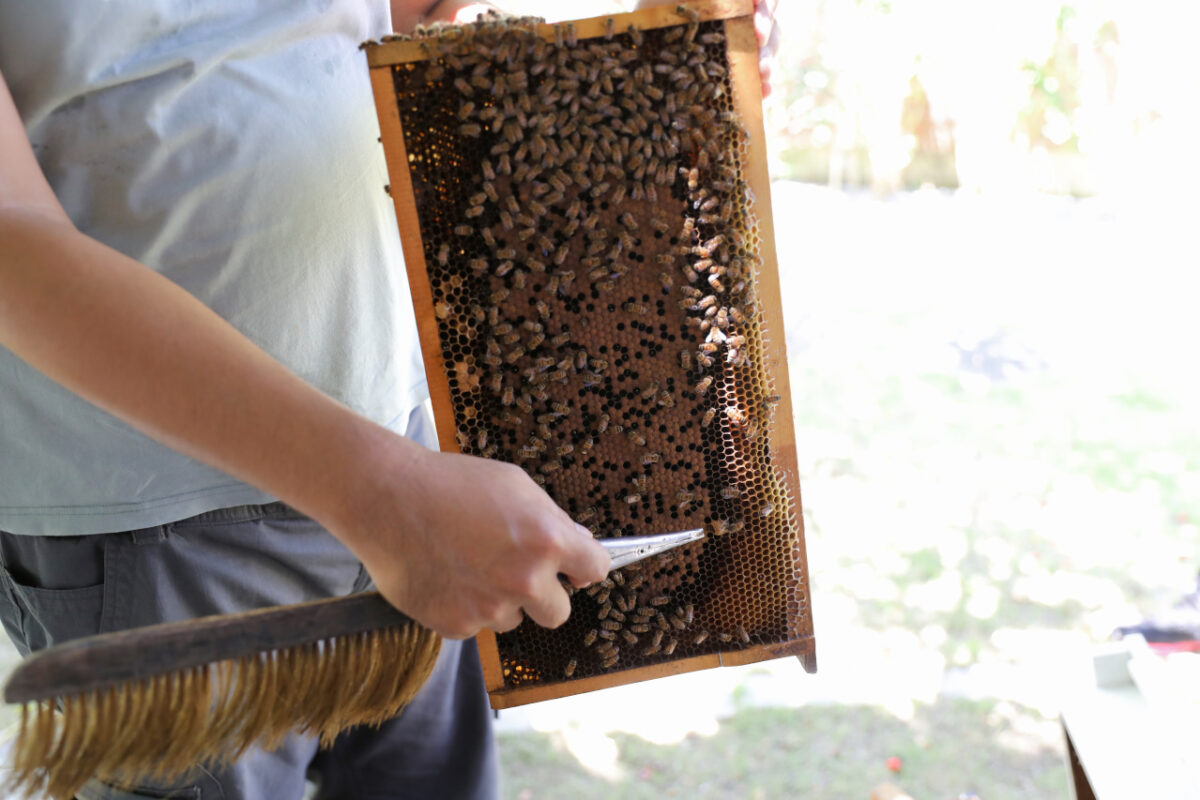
594	284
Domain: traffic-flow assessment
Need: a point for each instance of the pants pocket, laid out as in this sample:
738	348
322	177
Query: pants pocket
48	616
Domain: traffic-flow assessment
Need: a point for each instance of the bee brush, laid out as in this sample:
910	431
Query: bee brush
154	701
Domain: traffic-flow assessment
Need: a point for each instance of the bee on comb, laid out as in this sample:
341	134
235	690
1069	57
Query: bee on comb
589	186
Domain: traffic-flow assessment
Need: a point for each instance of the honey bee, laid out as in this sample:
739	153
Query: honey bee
651	458
743	634
441	309
767	510
629	636
464	87
685	359
660	600
669	648
703	386
610	625
443	254
700	637
724	637
570	668
463	230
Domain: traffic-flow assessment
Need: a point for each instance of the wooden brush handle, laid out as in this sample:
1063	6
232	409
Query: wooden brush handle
97	661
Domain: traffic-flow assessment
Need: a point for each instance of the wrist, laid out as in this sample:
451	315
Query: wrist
374	476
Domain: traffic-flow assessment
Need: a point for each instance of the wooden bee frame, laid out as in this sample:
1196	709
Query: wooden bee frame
742	596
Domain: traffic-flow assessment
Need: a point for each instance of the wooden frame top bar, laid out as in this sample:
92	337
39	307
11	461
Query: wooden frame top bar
410	50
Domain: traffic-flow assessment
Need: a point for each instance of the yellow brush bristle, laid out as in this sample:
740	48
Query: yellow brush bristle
163	726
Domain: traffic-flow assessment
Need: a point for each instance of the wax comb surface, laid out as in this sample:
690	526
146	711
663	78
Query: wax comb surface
587	269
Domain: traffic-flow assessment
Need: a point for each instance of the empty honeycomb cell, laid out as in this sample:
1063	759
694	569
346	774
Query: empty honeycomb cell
593	260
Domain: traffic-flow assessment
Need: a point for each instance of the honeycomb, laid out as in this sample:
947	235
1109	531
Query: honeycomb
592	253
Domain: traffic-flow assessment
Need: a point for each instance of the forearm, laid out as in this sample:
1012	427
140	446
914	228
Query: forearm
140	347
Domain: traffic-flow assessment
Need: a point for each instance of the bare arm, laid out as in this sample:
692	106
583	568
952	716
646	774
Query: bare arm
140	347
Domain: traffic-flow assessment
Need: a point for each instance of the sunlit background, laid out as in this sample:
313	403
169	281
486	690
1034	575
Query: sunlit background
984	221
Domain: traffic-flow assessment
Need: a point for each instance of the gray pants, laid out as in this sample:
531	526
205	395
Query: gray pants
57	588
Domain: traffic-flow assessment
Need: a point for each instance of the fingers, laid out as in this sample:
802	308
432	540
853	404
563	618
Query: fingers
509	620
767	33
550	606
584	561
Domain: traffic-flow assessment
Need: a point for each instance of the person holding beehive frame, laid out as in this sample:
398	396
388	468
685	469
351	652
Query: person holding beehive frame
155	421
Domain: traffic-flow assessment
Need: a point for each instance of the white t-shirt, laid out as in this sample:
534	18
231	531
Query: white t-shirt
231	146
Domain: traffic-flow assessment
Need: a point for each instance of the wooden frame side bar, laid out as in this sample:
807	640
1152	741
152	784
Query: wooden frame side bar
742	45
392	137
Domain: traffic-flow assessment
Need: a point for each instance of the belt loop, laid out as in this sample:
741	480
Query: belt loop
150	535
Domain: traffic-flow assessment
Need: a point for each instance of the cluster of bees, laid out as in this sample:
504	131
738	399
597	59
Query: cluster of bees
592	267
656	627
